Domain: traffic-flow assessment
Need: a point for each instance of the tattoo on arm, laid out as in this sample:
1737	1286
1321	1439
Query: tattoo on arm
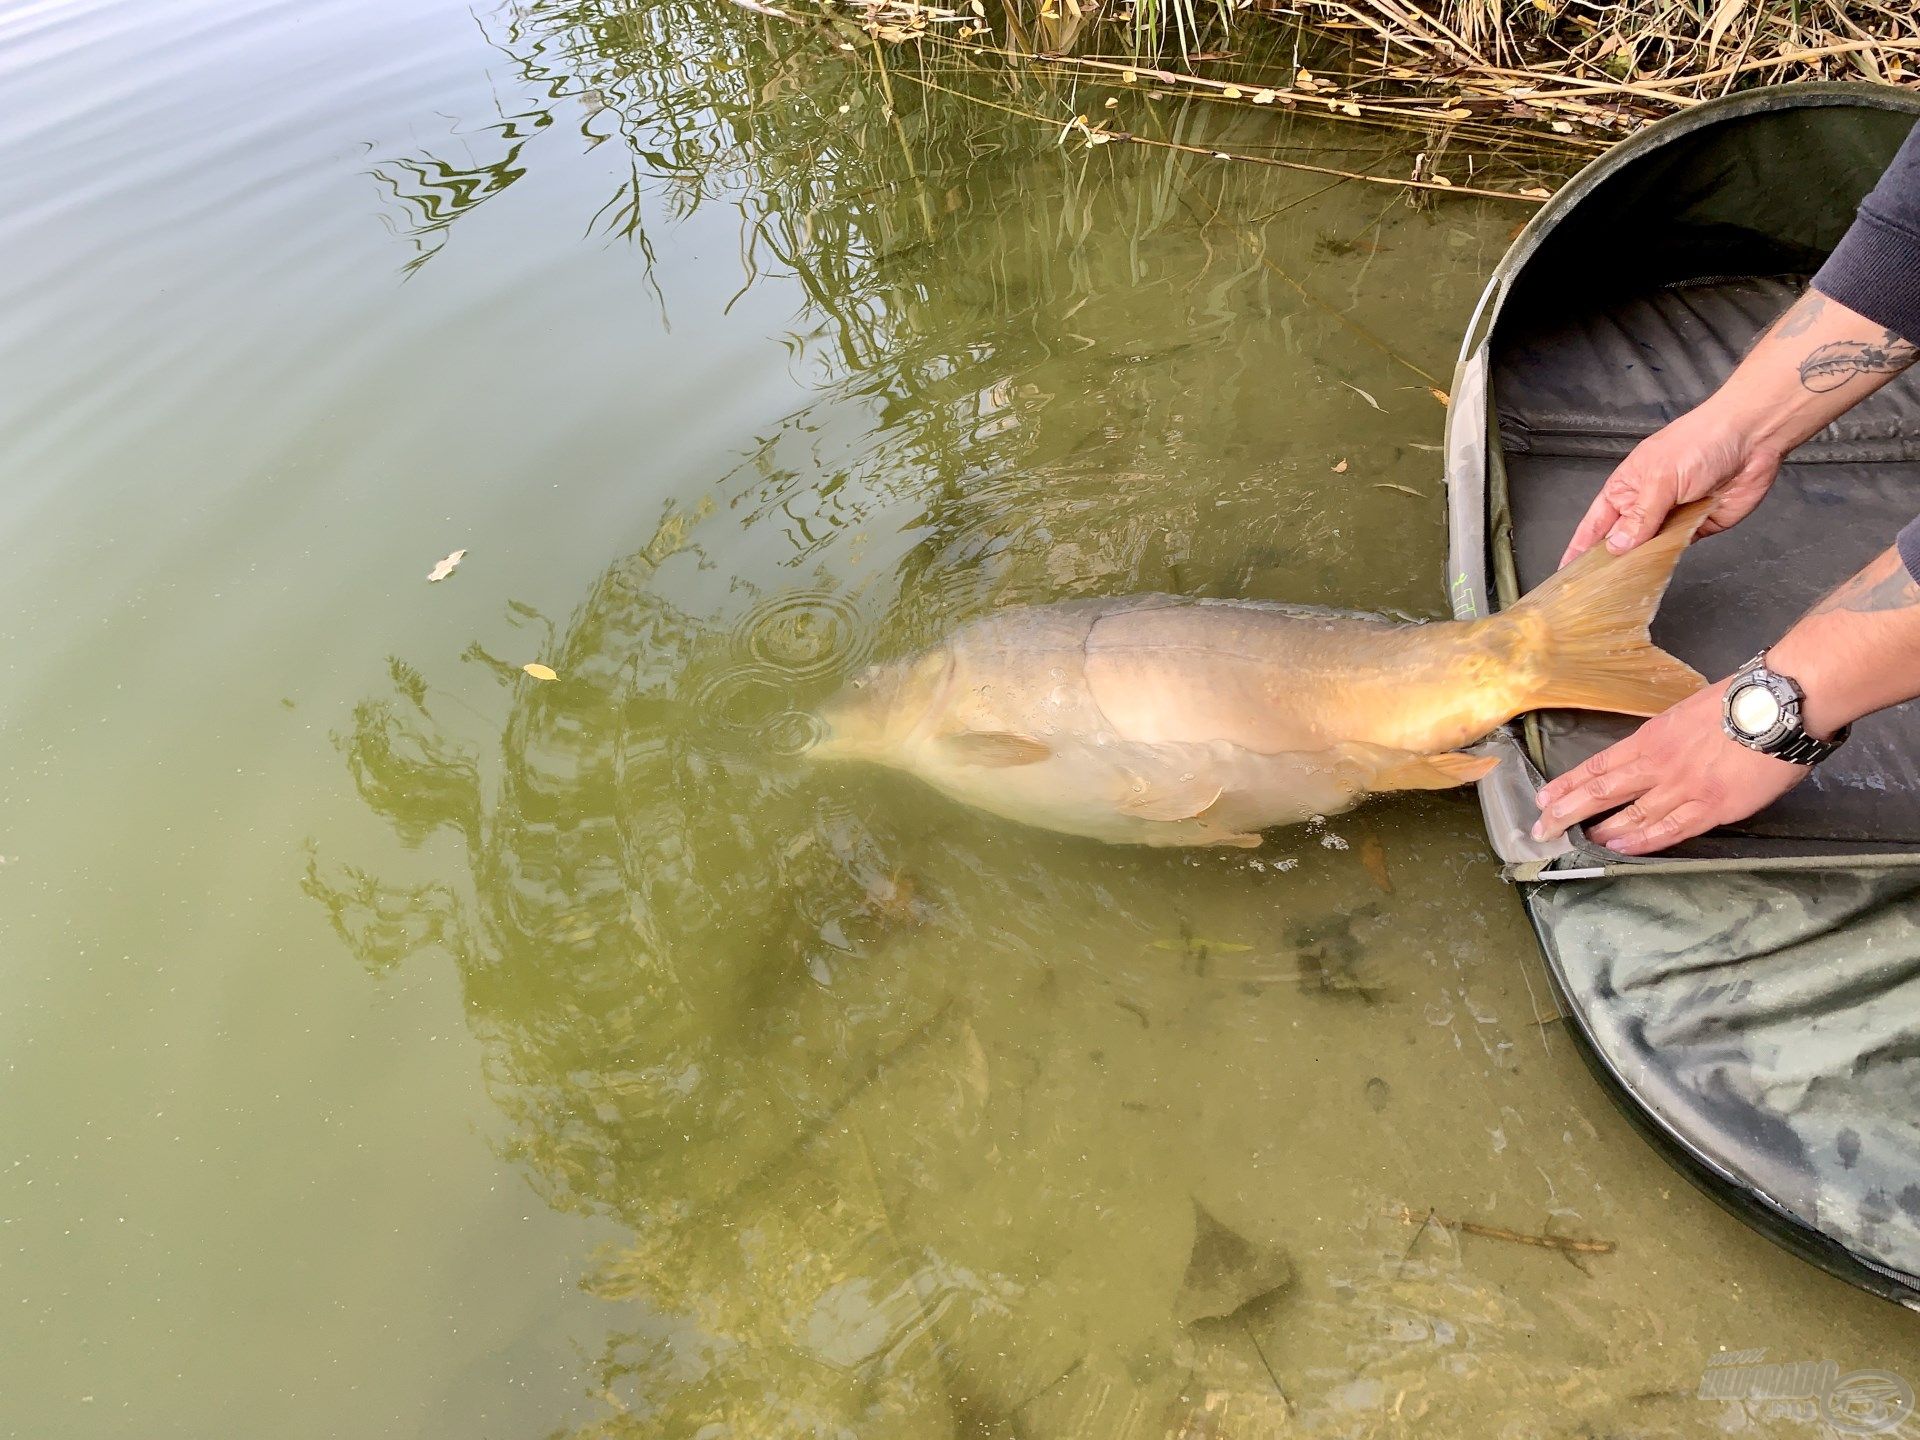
1883	585
1830	366
1796	319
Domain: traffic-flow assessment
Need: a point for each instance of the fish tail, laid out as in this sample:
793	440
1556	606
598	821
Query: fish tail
1591	621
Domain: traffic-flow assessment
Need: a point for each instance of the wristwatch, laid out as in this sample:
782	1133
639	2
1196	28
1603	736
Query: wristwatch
1761	710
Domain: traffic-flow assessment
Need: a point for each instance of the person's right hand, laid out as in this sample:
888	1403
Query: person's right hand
1699	454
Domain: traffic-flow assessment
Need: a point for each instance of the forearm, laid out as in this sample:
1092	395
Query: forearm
1858	650
1815	362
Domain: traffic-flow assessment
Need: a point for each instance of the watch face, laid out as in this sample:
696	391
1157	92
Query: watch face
1755	710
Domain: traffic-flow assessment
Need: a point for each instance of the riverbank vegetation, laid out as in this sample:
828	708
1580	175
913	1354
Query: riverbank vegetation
1566	77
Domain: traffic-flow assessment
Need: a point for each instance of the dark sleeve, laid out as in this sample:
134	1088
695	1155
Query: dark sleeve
1875	269
1908	544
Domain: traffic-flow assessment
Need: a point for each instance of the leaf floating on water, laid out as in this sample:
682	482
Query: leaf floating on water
539	671
1403	489
1366	397
1349	109
447	566
1341	468
1537	192
1561	127
1231	92
1440	395
1264	97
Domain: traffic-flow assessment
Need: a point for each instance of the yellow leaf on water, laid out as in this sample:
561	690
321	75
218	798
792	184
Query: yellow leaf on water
1561	127
539	671
1537	192
1232	92
1341	468
1439	395
1127	77
1263	97
1350	108
447	566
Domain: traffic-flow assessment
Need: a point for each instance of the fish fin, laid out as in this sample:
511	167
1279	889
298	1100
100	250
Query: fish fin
1595	653
1210	835
1432	772
1180	800
993	749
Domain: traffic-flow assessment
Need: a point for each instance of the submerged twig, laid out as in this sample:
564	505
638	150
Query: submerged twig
1563	1243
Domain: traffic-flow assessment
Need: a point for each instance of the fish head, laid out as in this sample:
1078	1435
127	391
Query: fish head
877	710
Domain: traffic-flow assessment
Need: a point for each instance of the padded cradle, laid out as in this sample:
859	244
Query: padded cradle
1575	393
1751	999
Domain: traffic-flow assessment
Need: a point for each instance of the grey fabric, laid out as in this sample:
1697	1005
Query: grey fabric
1875	269
1576	396
1771	1027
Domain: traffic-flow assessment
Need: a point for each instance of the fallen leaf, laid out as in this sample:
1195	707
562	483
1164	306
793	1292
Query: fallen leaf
979	1075
1232	92
447	566
1439	395
1263	97
1364	396
1341	468
1537	192
1350	108
1373	855
1561	127
539	671
1127	77
1200	942
1112	100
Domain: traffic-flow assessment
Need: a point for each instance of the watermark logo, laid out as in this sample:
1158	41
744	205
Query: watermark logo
1851	1402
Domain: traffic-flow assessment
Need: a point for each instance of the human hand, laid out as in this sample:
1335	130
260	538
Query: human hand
1678	776
1700	454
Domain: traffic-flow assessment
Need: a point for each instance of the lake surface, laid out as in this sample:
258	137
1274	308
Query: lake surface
398	1045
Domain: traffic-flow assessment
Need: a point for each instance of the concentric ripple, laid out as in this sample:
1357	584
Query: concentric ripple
804	635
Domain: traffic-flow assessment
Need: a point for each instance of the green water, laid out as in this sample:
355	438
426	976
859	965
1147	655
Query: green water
398	1045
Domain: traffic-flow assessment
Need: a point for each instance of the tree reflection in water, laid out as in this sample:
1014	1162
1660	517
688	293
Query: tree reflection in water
900	1152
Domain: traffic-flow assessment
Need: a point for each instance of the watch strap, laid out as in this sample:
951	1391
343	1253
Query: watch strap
1803	749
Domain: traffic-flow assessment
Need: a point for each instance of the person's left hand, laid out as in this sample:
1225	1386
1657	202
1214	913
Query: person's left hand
1678	776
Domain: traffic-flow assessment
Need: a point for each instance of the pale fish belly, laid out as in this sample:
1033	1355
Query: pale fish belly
1166	795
